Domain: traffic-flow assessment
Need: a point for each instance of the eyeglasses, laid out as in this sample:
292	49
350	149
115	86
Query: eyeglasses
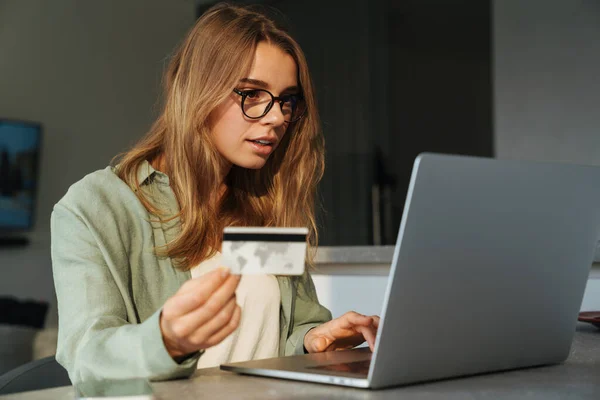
256	103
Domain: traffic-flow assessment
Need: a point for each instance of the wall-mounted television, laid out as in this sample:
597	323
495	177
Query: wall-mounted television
19	158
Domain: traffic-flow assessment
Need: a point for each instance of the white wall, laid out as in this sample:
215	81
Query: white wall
90	72
341	293
365	293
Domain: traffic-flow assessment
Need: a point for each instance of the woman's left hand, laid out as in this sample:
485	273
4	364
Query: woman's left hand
345	332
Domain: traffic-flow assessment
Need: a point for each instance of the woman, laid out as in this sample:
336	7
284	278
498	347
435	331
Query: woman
135	246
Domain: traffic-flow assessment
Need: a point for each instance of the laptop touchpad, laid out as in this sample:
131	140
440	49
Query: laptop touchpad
356	367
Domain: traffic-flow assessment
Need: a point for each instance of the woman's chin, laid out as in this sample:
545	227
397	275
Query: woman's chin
256	163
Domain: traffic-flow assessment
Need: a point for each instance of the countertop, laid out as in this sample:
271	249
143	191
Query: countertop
354	254
380	258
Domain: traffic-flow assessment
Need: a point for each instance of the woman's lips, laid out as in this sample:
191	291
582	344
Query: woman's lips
261	149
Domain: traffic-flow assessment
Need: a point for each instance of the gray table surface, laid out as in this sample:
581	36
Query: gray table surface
577	378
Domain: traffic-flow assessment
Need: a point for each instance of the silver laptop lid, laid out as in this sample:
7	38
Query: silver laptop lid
489	269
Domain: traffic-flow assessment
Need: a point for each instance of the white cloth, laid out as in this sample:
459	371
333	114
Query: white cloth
257	335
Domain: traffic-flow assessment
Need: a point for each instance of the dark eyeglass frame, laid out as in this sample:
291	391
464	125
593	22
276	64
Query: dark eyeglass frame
280	100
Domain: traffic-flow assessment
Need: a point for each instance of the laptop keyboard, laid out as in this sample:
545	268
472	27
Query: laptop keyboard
355	367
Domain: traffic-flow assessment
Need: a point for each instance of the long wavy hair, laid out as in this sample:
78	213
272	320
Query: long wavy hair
209	63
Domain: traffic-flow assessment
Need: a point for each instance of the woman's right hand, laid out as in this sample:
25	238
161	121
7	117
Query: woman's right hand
201	314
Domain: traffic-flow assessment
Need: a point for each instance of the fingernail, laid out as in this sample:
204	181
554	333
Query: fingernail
224	272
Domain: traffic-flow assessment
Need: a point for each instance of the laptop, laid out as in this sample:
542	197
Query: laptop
488	274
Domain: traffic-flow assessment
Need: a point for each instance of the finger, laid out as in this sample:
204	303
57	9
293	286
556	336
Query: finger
192	285
227	330
201	323
352	318
221	296
376	320
368	334
195	294
318	344
219	300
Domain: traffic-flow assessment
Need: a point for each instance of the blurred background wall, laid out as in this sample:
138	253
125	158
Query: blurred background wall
90	72
546	80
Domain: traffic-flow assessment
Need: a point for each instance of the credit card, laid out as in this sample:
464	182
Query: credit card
260	250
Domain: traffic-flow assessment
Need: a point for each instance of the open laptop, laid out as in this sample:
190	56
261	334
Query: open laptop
488	274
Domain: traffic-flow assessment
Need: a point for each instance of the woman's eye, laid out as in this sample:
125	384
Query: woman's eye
251	94
290	99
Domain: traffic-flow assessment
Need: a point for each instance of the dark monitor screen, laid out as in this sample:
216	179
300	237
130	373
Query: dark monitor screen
19	155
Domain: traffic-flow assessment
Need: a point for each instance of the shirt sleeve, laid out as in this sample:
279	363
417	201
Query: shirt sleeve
96	338
308	313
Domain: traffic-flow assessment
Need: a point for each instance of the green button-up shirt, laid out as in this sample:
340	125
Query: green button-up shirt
110	285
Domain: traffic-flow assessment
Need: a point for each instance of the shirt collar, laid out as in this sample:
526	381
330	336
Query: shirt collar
146	175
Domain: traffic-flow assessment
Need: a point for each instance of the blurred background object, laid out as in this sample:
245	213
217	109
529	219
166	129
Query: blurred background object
20	322
20	143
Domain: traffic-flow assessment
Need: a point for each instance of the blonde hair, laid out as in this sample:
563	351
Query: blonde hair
202	73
